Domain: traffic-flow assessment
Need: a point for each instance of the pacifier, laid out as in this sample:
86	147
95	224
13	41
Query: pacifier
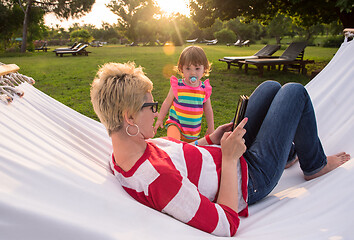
193	79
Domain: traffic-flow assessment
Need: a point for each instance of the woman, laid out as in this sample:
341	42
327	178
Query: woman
208	185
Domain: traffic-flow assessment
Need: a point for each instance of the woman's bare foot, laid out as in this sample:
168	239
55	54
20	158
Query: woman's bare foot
333	162
292	162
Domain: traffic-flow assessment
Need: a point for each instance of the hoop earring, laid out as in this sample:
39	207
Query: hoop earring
131	135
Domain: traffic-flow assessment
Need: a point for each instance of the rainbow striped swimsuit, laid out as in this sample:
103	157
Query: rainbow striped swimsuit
186	111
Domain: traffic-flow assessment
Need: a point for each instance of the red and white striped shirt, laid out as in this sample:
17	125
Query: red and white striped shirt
183	180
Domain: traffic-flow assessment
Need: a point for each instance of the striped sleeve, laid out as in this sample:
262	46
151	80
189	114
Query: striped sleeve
179	198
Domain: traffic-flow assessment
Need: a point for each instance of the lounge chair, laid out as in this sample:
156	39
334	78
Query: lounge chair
292	57
80	51
212	42
238	43
192	40
266	51
75	46
96	44
245	43
132	44
43	48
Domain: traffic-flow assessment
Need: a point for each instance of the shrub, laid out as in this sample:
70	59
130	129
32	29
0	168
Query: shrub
60	42
176	39
114	41
225	36
334	41
264	41
12	50
30	47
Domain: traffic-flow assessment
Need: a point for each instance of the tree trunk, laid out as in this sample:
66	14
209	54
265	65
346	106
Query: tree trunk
25	26
308	35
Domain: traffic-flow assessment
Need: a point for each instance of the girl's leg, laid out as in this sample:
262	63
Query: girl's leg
290	118
173	132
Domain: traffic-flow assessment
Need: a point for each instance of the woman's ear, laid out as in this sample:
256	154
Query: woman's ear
128	118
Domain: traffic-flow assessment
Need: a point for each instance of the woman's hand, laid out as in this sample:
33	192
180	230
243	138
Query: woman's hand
216	136
233	143
209	131
232	148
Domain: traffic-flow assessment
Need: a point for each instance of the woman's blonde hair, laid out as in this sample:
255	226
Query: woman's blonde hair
193	55
118	89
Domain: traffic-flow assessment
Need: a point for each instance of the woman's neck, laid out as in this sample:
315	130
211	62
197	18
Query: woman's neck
127	150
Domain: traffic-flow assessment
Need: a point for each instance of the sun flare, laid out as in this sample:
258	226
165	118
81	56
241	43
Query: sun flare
174	6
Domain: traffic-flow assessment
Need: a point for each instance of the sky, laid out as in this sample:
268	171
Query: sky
100	13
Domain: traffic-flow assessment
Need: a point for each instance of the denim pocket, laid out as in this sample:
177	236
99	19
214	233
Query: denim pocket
252	188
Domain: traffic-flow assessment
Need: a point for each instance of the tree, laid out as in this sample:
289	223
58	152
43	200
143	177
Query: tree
81	35
180	28
208	33
308	13
147	31
61	8
243	30
279	27
105	33
10	18
130	12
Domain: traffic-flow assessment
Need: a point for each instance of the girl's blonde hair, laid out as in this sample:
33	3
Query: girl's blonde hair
193	55
118	89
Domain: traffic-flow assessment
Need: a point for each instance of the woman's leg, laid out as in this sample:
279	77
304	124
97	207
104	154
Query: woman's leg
257	108
290	118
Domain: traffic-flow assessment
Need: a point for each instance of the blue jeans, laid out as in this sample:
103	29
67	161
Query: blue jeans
278	119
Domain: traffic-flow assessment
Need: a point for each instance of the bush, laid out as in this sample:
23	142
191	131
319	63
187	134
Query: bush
114	41
225	36
334	41
60	42
12	50
264	41
177	41
30	47
310	42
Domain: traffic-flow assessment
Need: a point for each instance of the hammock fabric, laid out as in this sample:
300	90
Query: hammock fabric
55	182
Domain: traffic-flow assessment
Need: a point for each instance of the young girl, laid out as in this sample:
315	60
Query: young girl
188	98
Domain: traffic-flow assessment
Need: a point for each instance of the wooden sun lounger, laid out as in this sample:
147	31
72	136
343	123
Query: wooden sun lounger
266	52
75	46
43	48
80	51
293	57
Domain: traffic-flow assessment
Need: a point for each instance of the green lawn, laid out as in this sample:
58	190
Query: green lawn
68	78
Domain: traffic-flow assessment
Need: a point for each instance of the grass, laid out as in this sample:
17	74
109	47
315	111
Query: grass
68	78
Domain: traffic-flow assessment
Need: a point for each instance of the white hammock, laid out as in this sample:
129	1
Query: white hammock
55	182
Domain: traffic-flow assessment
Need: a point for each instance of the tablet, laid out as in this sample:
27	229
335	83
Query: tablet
240	110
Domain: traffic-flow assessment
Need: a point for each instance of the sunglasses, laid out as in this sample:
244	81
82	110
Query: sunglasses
154	106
